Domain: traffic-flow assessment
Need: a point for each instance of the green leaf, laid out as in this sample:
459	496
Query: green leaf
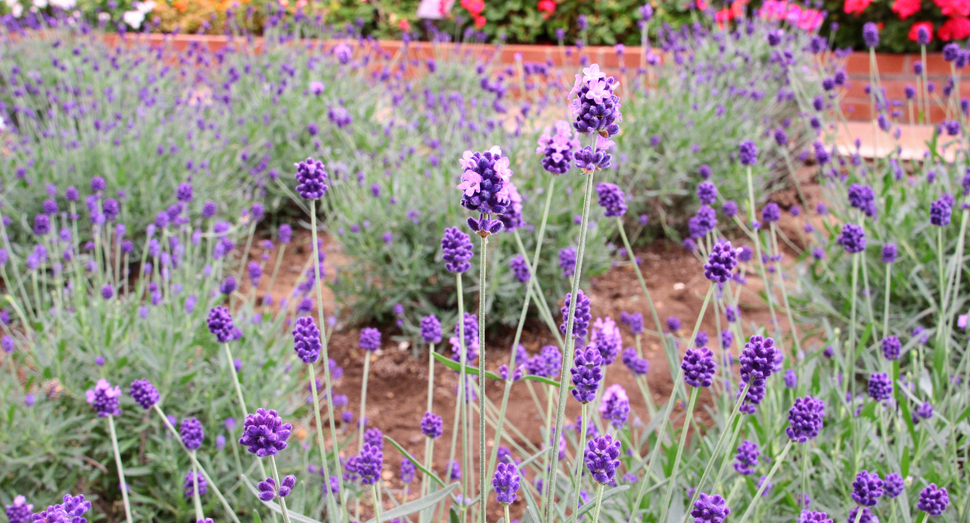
256	517
473	371
904	466
294	516
453	516
415	461
540	379
417	505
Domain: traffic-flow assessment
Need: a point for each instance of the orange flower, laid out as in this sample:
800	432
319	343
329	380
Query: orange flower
906	8
855	7
954	29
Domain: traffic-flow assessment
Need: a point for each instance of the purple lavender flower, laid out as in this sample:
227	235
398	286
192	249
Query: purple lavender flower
746	458
220	324
431	329
520	269
567	262
748	153
866	517
144	393
42	225
606	338
710	509
707	193
71	509
586	373
191	433
940	211
268	491
698	366
557	149
367	464
852	239
506	483
611	199
594	106
933	500
375	438
809	516
370	339
924	411
791	379
805	419
264	433
408	470
104	398
759	359
721	262
891	347
20	511
581	315
894	485
306	340
457	247
228	285
770	213
880	386
867	488
889	253
431	425
870	33
863	198
673	323
454	470
190	479
311	179
601	458
637	365
546	364
634	320
703	222
485	184
615	405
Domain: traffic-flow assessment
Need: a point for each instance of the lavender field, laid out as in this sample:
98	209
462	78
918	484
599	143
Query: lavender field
214	259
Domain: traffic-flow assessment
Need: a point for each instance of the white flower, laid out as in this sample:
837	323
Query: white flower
40	4
133	18
3	124
144	7
63	4
103	16
17	10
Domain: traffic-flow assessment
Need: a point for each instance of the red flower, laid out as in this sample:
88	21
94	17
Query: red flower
914	30
953	7
856	7
701	5
475	7
954	29
479	22
906	8
548	7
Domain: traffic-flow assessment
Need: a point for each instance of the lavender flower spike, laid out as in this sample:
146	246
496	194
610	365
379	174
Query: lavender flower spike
594	106
805	419
306	340
264	433
506	483
104	398
601	457
311	179
485	185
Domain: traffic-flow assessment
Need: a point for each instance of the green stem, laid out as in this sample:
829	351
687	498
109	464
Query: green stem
643	283
849	358
885	314
375	492
363	402
195	490
578	475
766	482
327	494
276	476
121	470
242	401
506	507
501	422
195	463
482	277
599	501
323	349
671	484
569	344
784	294
757	251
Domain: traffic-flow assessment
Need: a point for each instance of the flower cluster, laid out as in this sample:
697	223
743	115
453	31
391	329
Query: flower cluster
104	398
264	433
457	247
485	184
557	147
805	419
306	340
586	374
581	315
506	483
594	106
601	458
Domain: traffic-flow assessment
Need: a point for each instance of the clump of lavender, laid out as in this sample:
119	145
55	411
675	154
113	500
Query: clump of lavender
408	470
746	458
698	366
557	148
894	485
611	199
933	500
601	458
880	386
431	329
941	210
306	340
104	398
144	393
367	465
264	433
546	364
615	405
582	315
721	262
71	509
457	247
520	269
268	491
867	488
311	179
190	480
606	338
20	511
431	425
191	433
220	324
710	509
586	373
594	106
805	419
852	238
506	483
370	339
759	359
863	198
485	184
810	516
637	365
375	438
634	320
567	262
891	347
